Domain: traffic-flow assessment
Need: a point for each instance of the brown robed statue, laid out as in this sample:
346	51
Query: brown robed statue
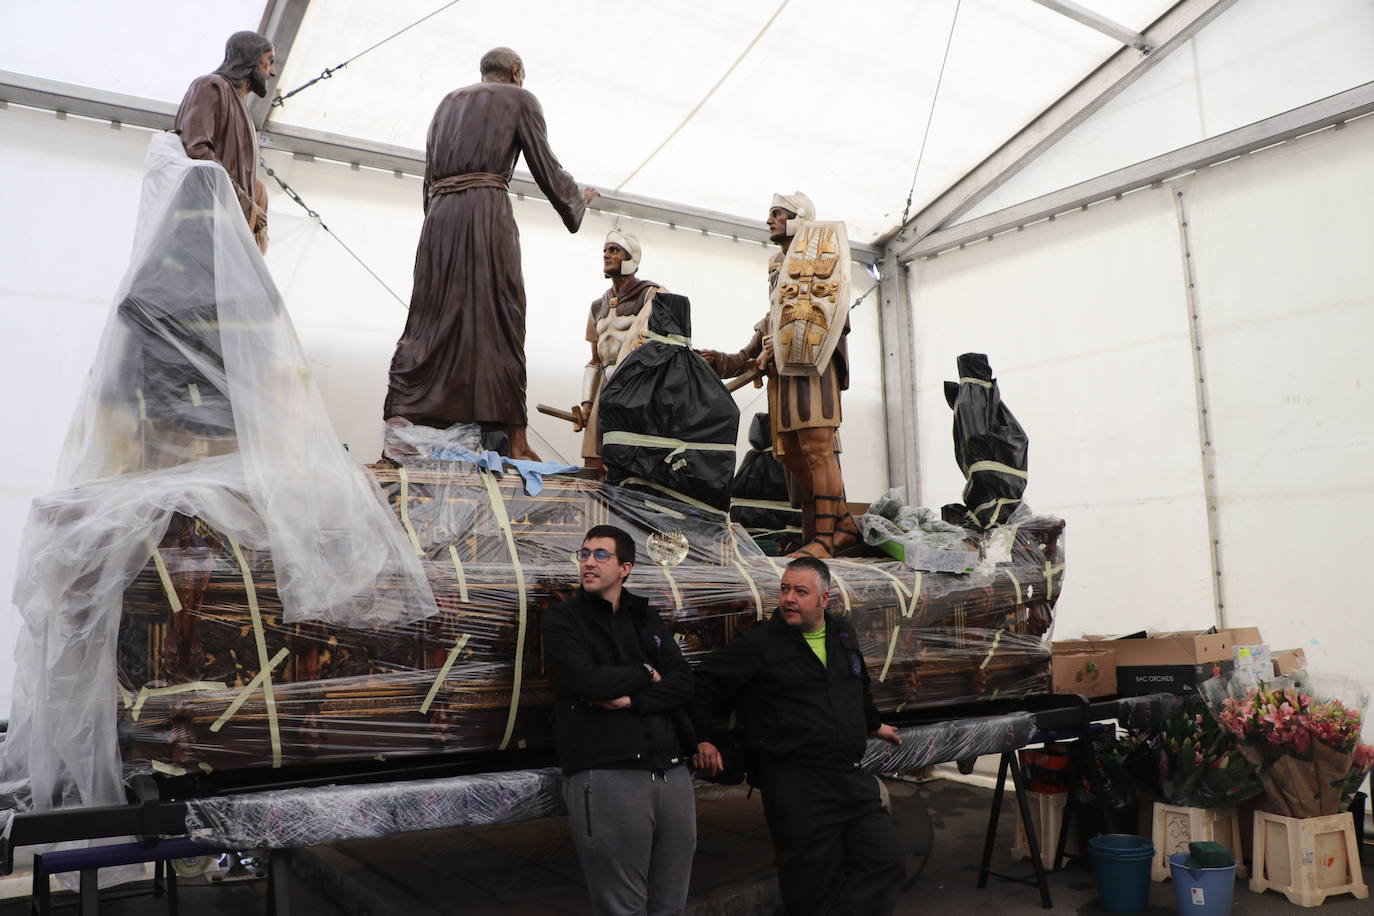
461	357
804	403
214	122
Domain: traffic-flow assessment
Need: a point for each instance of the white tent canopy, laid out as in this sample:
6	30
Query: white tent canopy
1207	234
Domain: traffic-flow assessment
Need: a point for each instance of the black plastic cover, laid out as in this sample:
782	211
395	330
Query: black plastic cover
761	479
664	390
989	445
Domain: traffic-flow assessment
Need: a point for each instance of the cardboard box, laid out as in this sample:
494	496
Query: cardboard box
1286	661
1173	662
928	559
1085	671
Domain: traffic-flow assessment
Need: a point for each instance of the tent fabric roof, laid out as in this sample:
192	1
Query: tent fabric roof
830	99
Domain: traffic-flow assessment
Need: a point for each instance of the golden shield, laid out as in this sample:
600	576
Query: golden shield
810	298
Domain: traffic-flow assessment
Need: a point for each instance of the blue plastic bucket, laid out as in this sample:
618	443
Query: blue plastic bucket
1202	891
1121	865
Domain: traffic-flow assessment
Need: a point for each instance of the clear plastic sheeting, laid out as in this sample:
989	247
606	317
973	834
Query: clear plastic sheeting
889	518
199	404
405	441
943	742
200	358
290	818
472	678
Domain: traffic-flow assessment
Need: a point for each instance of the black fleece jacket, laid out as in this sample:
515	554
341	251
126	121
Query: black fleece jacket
792	709
591	656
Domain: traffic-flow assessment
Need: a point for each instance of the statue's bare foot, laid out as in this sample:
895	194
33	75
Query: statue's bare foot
817	550
520	444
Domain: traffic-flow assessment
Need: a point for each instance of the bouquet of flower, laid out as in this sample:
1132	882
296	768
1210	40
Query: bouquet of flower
1307	748
1199	763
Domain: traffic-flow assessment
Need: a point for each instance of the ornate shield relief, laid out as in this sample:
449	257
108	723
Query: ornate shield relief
810	299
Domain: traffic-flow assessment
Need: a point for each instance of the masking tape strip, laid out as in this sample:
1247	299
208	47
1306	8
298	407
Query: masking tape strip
844	592
672	340
194	391
967	380
898	585
620	437
142	405
773	505
997	467
443	672
1051	570
164	576
248	689
672	494
168	768
125	695
147	692
916	580
458	571
1016	584
498	508
677	596
264	663
992	650
891	647
404	501
758	598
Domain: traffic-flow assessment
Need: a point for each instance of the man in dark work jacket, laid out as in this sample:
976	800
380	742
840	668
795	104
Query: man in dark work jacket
622	693
800	690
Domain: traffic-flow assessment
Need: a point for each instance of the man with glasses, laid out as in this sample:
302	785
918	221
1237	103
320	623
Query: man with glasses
622	694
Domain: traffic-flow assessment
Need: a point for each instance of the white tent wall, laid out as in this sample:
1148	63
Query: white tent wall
1086	321
72	202
1259	58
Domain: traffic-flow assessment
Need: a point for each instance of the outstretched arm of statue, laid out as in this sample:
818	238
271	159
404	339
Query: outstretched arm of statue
729	365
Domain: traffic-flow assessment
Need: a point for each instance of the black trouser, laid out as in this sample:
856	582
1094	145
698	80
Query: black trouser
837	849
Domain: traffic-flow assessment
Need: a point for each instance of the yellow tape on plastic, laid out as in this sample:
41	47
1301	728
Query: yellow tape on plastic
249	689
754	589
774	505
142	405
1051	570
458	571
125	695
168	768
891	647
672	340
844	592
405	510
677	595
164	576
672	494
739	554
1016	584
264	663
975	381
897	584
147	692
916	579
194	390
992	649
443	672
498	508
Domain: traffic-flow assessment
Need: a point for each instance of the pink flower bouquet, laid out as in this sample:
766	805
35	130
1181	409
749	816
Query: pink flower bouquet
1308	749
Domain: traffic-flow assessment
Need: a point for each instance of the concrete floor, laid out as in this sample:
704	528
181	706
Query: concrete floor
531	868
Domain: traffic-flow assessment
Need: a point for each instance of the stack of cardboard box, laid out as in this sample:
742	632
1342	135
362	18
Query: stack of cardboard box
1141	663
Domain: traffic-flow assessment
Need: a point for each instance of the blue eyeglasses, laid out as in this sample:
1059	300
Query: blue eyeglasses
601	554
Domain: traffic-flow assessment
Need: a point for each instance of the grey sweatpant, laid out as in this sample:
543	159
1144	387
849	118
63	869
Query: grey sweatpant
636	833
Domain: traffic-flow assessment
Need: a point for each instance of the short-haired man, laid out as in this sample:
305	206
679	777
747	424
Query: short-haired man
800	690
622	697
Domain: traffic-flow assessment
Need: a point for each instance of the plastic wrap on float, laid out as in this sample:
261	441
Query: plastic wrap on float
200	403
472	677
667	423
291	818
944	742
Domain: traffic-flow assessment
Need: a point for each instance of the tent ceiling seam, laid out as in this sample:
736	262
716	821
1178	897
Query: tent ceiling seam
707	97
